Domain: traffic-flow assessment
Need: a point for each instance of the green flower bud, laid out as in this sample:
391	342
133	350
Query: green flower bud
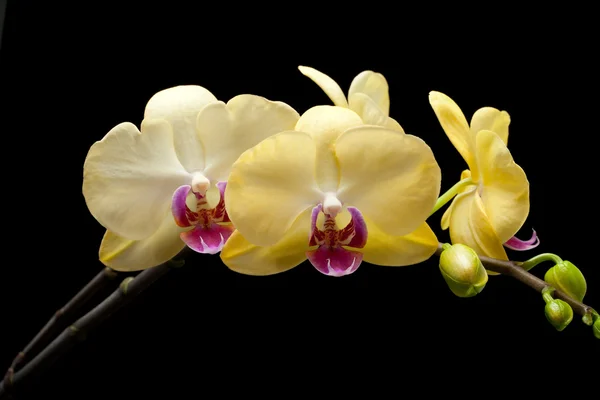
559	314
462	270
596	328
567	278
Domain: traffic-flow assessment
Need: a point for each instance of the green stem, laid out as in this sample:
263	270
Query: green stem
449	195
547	294
532	262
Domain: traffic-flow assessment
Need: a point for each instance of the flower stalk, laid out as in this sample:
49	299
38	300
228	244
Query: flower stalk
450	193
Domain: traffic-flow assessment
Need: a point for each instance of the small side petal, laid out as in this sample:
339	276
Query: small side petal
129	178
207	240
491	119
328	85
335	261
270	185
514	243
455	126
370	112
180	106
179	208
505	191
397	251
123	254
470	226
375	86
355	234
394	180
242	256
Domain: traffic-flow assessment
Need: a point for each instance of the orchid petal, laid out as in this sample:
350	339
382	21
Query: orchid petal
270	185
469	225
207	239
129	178
180	106
446	217
335	261
455	126
394	180
370	113
514	243
505	191
375	86
227	130
328	85
355	233
123	254
325	124
179	208
386	250
491	119
241	256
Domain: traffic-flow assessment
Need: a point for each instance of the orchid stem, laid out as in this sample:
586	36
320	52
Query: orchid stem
515	269
449	195
540	258
62	316
128	289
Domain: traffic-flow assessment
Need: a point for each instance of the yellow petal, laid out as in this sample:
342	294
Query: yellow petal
455	125
241	256
270	185
328	85
123	254
375	86
180	106
414	248
446	217
370	112
505	190
469	225
129	178
491	119
227	130
325	124
394	180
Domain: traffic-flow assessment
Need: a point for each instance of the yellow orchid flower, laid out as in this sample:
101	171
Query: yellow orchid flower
492	203
368	96
161	187
334	191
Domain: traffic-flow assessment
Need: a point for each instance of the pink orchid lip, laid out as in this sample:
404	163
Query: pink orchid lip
208	235
514	243
330	258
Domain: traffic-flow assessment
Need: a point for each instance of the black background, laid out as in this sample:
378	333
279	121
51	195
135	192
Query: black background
73	71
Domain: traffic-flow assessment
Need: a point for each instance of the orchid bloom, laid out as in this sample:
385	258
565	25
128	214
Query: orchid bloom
334	191
368	96
161	187
494	205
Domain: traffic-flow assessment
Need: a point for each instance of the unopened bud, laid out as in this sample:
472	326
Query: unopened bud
559	314
596	328
462	270
567	278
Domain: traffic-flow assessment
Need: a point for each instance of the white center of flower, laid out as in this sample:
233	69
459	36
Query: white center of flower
200	183
331	205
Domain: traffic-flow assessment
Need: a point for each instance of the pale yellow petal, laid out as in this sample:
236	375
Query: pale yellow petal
227	130
370	112
270	185
414	248
123	254
180	106
328	85
394	180
446	217
455	125
491	119
241	256
325	124
129	178
375	86
505	190
469	225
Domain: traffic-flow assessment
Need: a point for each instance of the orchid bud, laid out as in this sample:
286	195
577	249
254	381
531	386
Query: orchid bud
462	270
596	328
567	278
558	313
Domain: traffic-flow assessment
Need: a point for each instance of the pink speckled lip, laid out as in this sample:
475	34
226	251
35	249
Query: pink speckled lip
514	243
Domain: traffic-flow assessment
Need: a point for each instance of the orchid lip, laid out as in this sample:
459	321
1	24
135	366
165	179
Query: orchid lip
212	226
514	243
331	257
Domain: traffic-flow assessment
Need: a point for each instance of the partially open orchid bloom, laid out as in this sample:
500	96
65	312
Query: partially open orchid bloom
368	96
489	211
161	187
333	191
